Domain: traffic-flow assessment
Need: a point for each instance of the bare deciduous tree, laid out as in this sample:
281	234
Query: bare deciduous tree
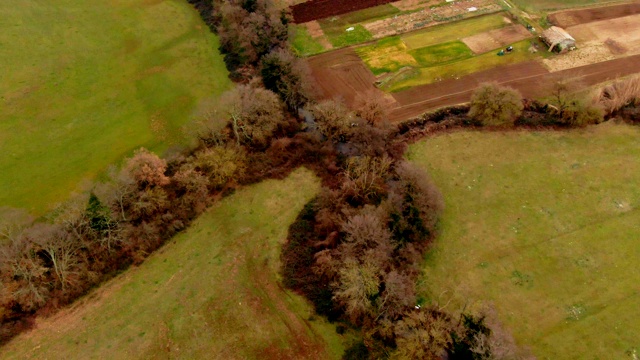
332	119
61	249
220	164
365	176
254	114
147	169
23	275
357	284
422	334
370	107
492	104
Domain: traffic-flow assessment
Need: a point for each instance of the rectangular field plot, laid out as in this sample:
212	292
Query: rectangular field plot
454	31
340	37
427	75
441	53
386	56
541	5
335	28
494	39
543	227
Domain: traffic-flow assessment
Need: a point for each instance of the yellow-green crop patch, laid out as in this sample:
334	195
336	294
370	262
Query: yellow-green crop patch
386	56
427	75
543	226
211	293
454	31
86	82
441	53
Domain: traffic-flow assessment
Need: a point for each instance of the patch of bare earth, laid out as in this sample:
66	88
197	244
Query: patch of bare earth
615	47
582	16
586	54
429	16
623	30
342	74
494	39
599	41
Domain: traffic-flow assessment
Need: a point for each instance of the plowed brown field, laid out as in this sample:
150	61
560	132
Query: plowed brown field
575	17
341	74
320	9
494	39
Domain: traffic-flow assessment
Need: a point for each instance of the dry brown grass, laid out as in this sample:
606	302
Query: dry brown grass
619	94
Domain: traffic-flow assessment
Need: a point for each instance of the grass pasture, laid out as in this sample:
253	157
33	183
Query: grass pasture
339	37
541	5
441	53
542	226
453	31
84	83
303	43
211	293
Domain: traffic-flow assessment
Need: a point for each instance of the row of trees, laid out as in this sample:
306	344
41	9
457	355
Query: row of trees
244	137
496	105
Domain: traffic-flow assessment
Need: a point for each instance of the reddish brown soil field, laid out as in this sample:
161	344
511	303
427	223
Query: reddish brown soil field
320	9
341	74
575	17
490	40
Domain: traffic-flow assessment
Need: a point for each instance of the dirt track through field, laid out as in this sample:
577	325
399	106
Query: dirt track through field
530	78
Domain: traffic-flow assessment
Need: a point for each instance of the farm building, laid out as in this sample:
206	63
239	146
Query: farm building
558	39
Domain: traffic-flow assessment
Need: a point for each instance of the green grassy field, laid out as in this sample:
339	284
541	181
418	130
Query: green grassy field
335	27
540	5
453	31
213	292
303	43
542	226
441	53
465	65
436	53
339	37
84	83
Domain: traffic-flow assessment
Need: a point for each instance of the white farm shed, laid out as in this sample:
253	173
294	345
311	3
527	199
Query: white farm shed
558	38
